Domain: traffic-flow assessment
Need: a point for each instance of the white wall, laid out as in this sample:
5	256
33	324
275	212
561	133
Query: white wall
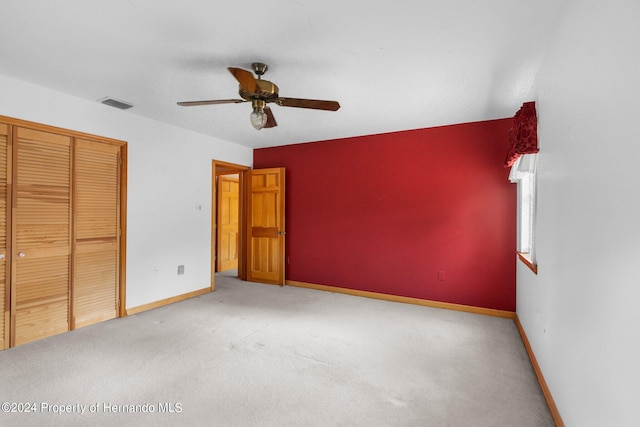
169	185
581	311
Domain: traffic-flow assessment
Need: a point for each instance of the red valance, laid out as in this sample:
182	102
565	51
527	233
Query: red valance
523	135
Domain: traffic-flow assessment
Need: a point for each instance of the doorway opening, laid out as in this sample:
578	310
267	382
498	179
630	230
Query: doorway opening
260	237
228	223
228	255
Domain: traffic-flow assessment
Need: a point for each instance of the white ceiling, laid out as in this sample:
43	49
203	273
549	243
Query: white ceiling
392	64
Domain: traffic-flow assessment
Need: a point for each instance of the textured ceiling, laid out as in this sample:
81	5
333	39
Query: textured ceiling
392	65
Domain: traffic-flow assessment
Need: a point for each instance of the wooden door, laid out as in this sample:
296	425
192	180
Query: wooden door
5	279
96	249
265	226
228	222
41	235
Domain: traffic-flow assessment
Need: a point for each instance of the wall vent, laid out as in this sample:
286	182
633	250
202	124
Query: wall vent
122	105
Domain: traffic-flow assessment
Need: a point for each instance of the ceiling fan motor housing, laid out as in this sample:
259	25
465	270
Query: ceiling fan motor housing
266	91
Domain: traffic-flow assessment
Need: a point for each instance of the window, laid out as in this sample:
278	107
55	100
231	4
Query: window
523	173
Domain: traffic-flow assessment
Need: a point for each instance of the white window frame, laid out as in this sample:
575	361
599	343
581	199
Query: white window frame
523	173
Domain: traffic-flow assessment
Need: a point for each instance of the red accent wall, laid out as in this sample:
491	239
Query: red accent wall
425	213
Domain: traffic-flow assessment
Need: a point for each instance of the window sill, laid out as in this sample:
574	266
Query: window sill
526	259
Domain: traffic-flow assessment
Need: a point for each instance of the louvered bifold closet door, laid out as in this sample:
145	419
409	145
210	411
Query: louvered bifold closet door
97	212
4	232
41	234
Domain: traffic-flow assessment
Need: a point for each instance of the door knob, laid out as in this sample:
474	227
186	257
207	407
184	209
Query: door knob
22	254
280	233
1	256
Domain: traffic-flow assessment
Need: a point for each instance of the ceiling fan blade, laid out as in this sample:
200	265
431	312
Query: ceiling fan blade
212	102
271	121
245	78
308	103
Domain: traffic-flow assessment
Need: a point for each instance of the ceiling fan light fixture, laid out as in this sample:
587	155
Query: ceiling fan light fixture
258	117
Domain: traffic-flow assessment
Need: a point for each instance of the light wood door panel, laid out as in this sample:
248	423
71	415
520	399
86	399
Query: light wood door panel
265	225
41	234
5	168
97	213
228	222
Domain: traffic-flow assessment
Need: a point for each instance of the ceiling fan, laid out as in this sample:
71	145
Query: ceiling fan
261	92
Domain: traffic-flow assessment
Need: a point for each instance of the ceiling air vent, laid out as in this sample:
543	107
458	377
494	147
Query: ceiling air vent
116	103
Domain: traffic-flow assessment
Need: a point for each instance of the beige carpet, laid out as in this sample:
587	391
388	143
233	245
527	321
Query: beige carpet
260	355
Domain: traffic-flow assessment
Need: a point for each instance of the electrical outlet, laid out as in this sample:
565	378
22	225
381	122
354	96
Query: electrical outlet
156	270
180	270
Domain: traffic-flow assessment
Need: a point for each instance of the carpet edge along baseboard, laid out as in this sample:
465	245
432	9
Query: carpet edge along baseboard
166	301
536	368
406	300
